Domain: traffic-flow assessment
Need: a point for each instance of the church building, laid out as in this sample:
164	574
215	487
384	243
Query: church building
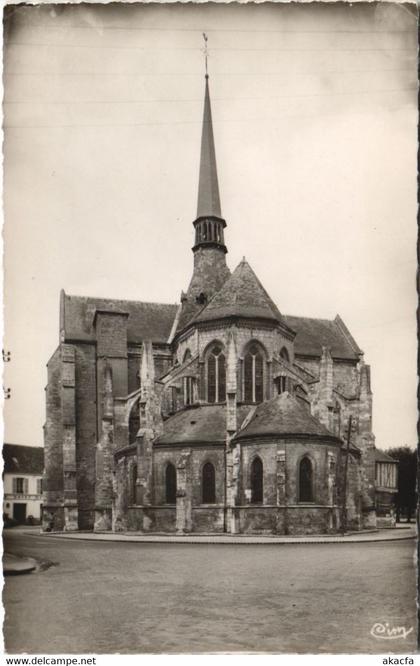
216	415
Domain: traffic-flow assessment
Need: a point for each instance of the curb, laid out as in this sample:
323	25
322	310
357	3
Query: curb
228	540
16	566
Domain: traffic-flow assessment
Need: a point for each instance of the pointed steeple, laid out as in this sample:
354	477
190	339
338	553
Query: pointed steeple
210	269
209	224
208	187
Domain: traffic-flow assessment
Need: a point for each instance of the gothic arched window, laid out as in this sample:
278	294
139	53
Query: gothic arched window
256	481
133	488
306	493
134	423
216	374
170	484
254	374
208	484
284	354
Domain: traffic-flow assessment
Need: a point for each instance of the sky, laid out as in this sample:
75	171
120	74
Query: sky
315	113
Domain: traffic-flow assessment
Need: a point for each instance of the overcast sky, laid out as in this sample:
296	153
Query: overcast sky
314	110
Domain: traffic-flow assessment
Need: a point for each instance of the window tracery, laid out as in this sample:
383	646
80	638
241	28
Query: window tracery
254	374
216	374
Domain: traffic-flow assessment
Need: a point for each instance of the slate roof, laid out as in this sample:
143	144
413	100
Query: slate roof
312	334
242	295
381	456
23	459
208	187
146	321
284	415
204	424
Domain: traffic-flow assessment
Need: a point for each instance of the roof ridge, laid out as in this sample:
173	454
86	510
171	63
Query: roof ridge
313	318
123	300
23	446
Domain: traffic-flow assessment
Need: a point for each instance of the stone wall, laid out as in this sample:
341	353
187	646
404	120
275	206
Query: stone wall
199	456
346	377
208	519
53	513
68	410
294	451
86	432
281	513
151	519
309	364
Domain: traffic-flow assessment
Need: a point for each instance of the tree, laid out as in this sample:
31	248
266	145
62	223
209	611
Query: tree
407	474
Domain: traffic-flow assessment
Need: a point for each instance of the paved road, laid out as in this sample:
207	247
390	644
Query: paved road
136	598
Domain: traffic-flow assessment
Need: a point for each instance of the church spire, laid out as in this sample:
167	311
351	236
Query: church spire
209	224
208	187
210	269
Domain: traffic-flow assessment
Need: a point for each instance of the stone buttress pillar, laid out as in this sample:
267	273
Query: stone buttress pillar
366	443
68	387
184	493
324	408
110	325
52	497
104	459
282	516
150	427
120	495
333	520
232	453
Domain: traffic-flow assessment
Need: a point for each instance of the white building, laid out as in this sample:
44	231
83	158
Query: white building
22	482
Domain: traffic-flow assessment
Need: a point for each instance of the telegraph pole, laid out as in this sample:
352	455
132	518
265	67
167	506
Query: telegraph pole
346	464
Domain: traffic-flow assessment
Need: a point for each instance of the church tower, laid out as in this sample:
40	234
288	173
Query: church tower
210	269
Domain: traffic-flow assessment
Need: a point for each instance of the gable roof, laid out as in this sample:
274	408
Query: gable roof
23	459
242	295
146	321
284	415
313	334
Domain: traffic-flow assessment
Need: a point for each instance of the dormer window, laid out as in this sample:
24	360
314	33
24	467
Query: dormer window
201	299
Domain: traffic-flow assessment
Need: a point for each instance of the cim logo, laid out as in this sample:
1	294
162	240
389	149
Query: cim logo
385	631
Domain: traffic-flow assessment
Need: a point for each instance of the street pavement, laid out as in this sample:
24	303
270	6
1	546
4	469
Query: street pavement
106	597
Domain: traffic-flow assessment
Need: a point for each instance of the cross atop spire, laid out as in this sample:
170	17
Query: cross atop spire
205	51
